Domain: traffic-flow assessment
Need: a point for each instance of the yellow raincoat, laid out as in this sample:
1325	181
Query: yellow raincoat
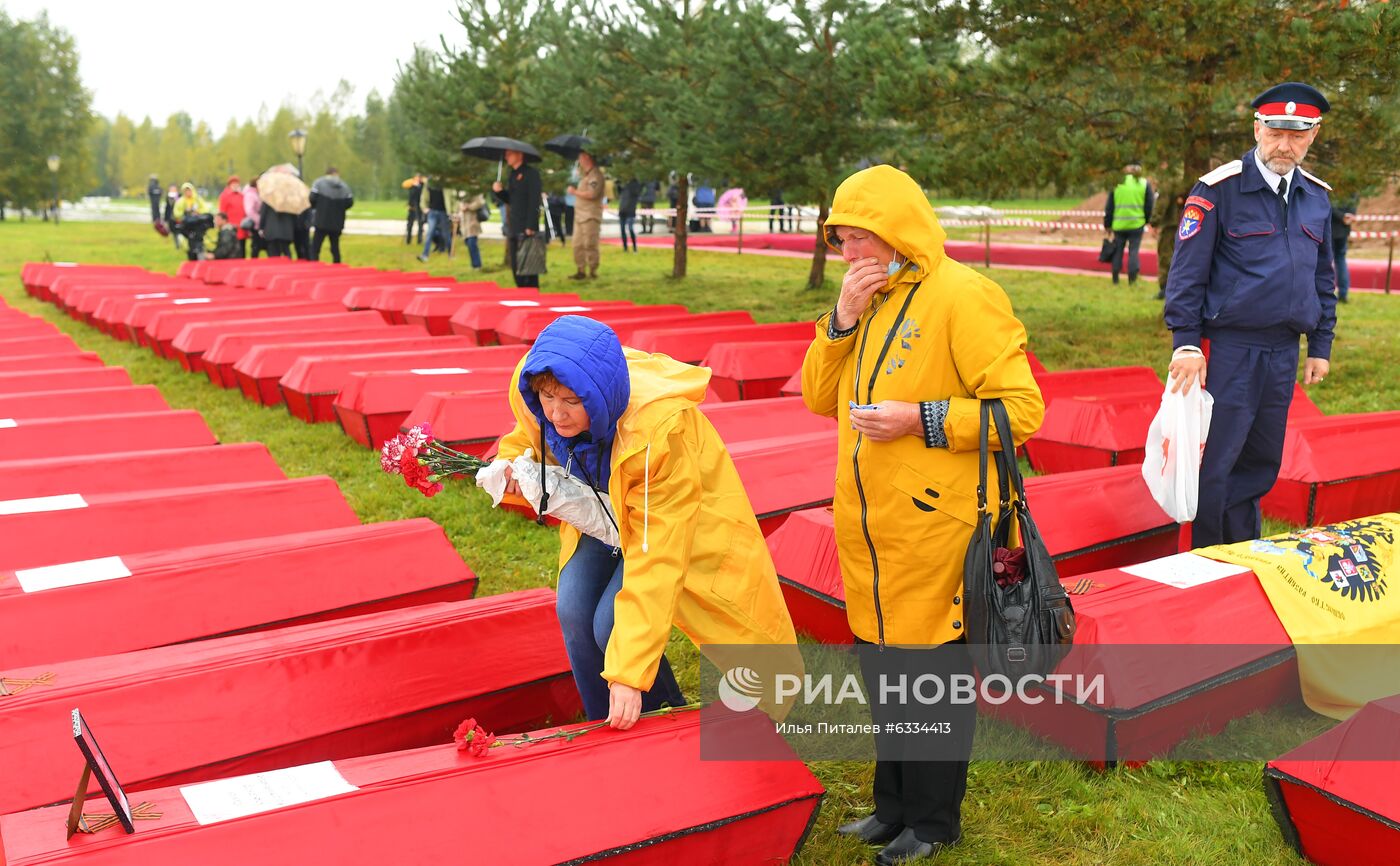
904	511
693	551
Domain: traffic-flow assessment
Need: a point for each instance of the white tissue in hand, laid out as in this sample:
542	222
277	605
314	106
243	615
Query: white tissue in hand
570	500
492	479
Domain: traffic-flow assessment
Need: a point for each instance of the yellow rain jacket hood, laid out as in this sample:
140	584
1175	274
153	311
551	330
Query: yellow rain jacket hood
940	331
694	554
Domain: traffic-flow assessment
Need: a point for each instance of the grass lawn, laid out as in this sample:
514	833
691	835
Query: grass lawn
1051	812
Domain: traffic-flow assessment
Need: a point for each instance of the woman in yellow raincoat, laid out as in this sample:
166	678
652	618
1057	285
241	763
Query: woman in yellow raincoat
628	424
920	340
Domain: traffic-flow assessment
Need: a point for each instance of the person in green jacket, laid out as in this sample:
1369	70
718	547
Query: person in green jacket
1125	217
189	204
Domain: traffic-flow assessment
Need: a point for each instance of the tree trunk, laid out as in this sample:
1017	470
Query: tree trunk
816	277
682	225
1171	198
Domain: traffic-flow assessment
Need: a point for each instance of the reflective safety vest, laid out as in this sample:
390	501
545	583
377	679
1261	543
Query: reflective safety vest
1128	199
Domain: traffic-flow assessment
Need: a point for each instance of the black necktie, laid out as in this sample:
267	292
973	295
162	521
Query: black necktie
1283	198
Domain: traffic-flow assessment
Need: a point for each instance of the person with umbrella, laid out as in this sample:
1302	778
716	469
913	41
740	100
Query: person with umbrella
331	197
521	201
284	197
588	207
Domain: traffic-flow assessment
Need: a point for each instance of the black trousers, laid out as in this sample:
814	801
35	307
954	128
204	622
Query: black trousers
920	777
335	245
279	248
415	217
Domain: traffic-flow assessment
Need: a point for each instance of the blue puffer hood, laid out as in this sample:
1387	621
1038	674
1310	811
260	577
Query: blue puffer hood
586	357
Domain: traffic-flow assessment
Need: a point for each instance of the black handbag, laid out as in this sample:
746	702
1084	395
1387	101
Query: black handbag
1106	251
1026	626
530	254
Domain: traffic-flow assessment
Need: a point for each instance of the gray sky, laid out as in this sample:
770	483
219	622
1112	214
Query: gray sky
130	51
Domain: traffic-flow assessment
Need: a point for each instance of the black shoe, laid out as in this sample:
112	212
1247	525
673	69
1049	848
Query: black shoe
870	830
907	848
578	276
1115	279
1161	294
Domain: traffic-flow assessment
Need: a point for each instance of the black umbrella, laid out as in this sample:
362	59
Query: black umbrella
494	147
569	146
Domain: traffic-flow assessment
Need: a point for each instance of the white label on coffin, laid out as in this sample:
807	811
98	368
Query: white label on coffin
432	289
439	371
62	502
183	301
65	264
72	573
226	799
7	422
148	295
519	303
1185	570
569	309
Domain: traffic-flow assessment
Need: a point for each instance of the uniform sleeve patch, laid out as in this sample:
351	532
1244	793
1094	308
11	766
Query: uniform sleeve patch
1205	204
1191	219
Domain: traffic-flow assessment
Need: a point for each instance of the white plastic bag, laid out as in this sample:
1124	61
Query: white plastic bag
1175	441
570	500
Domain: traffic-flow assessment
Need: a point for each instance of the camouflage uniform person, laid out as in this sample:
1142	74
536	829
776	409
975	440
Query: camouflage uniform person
588	216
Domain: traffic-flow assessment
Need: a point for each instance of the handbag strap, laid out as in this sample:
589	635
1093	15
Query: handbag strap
985	411
1006	458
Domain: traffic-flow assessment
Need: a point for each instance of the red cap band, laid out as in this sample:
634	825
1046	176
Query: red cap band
1300	109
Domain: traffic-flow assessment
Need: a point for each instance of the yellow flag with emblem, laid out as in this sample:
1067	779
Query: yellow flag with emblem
1329	586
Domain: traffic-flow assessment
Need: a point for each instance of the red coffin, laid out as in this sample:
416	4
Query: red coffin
393	300
692	344
166	325
1337	468
286	282
261	367
479	319
195	338
1088	432
737	813
626	325
524	324
26	327
125	318
228	349
1094	519
361	294
1096	383
62	378
190	593
86	401
312	383
46	361
116	524
1178	663
469	421
785	474
750	371
219	270
97	434
1335	798
246	703
38	277
48	344
372	405
69	289
262	277
83	303
434	312
130	471
106	309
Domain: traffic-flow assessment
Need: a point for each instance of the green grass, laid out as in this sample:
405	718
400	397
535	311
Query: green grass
1016	812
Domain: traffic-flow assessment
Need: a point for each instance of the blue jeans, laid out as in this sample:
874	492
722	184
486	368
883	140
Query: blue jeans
587	585
1339	257
628	225
437	223
475	249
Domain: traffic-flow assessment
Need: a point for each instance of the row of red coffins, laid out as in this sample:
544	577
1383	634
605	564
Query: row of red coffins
387	688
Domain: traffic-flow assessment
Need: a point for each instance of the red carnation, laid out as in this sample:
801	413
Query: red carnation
473	738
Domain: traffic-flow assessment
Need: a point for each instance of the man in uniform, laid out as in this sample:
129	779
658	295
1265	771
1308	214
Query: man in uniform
522	201
1125	214
588	216
1252	270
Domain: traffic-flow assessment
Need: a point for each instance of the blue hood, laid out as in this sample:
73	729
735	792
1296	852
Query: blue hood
586	357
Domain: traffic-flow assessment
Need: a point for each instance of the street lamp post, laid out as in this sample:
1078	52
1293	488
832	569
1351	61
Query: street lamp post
53	169
298	139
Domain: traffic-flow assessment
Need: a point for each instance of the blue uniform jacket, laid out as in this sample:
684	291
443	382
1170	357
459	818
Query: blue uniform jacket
1241	272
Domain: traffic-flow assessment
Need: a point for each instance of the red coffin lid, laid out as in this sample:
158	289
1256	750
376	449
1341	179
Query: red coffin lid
768	359
691	344
140	313
379	391
787	473
44	379
488	313
625	325
46	344
167	324
199	336
395	298
427	304
130	471
1097	382
1335	447
275	358
116	307
460	418
326	373
1355	763
96	434
87	299
229	348
1108	505
83	401
1111	422
526	323
50	361
744	420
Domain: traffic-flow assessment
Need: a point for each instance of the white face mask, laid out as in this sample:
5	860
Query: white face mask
896	264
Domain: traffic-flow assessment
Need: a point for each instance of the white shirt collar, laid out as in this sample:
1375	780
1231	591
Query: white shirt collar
1269	176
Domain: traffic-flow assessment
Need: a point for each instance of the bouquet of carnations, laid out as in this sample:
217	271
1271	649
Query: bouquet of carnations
423	461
